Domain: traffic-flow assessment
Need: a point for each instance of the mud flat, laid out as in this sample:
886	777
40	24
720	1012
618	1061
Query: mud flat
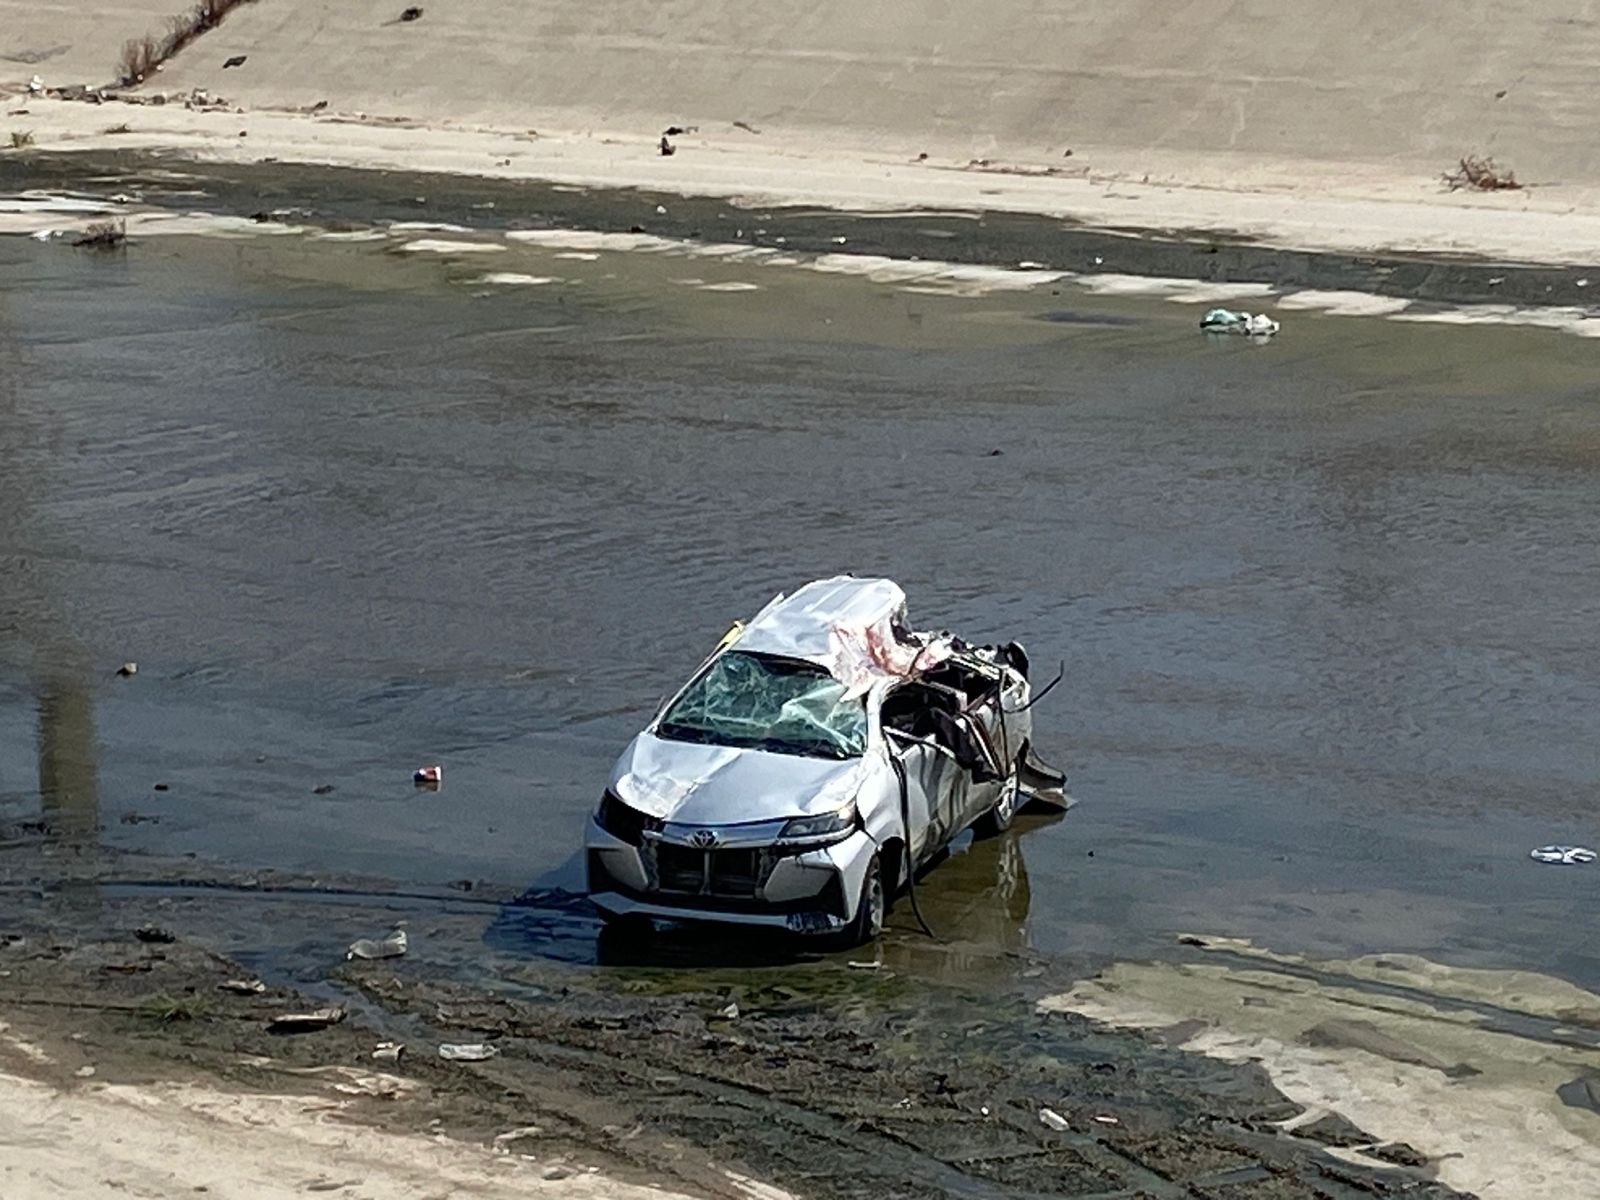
820	1078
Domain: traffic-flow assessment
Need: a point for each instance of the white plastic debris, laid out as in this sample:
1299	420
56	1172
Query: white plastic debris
430	776
731	1013
388	1051
1229	320
305	1022
392	946
467	1051
1565	856
35	86
1051	1119
242	987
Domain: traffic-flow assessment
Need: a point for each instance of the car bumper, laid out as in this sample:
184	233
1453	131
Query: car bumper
816	891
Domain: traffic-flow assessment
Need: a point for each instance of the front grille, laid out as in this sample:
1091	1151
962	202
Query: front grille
680	868
736	873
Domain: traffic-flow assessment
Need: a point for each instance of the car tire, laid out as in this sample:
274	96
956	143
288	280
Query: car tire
998	819
872	910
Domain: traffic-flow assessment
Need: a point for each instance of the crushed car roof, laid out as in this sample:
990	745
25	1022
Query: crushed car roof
803	625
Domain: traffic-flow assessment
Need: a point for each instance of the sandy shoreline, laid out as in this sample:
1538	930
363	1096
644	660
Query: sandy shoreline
1273	204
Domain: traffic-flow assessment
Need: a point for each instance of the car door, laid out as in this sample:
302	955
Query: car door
935	792
937	786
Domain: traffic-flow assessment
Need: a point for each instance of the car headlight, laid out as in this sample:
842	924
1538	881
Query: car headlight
623	821
832	825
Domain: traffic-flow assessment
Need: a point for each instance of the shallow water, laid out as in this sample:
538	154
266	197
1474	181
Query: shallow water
1326	605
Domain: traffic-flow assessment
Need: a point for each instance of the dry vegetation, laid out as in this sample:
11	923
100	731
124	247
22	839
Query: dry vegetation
141	56
1482	175
104	235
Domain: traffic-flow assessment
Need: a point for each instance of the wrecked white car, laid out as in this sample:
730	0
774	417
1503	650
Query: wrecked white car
819	758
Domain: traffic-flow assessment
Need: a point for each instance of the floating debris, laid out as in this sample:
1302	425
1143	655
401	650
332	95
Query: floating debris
242	987
467	1051
428	777
388	1051
1228	320
1051	1119
1565	856
306	1022
392	946
155	935
128	669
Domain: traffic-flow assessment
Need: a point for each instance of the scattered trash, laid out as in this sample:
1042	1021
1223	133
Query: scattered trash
306	1022
467	1051
43	235
865	966
392	946
667	148
680	130
161	787
127	669
746	126
983	1110
428	776
1566	856
238	60
1051	1119
134	817
155	935
242	987
517	1134
1227	320
731	1013
1189	939
411	14
84	1072
35	86
661	210
1104	1120
388	1051
322	789
1480	173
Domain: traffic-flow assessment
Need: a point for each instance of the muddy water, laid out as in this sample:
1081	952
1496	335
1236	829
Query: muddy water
1326	606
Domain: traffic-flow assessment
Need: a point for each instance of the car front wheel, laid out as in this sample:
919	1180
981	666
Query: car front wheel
871	909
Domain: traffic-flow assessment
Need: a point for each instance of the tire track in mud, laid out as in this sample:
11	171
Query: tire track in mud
837	1132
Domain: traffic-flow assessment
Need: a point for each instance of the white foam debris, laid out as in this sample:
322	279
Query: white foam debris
592	239
964	278
579	256
1182	291
59	205
1344	304
515	279
730	286
444	246
1578	321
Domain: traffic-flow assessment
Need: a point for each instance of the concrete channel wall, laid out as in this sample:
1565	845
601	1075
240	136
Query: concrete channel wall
1402	84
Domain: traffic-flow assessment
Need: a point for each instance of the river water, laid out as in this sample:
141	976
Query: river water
1326	606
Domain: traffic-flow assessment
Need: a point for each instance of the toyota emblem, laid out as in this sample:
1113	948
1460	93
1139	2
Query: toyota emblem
703	838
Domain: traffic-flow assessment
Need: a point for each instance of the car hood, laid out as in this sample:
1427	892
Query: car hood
697	784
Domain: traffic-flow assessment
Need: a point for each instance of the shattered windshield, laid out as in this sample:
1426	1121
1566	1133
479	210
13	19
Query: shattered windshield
768	703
